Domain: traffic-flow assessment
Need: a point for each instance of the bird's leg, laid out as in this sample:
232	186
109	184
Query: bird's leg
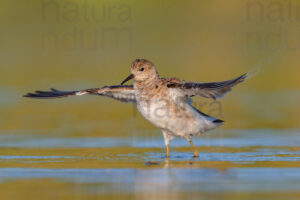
196	154
167	141
168	151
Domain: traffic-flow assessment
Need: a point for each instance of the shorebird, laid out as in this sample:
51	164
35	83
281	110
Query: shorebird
165	102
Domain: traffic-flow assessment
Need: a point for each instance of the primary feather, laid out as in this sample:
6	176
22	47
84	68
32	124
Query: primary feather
124	93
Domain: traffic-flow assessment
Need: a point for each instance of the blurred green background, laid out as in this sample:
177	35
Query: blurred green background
81	44
78	44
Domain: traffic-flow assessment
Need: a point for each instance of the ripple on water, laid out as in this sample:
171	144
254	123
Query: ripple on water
230	138
244	179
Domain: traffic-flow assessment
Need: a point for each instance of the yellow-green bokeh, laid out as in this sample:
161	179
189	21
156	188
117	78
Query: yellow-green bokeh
82	44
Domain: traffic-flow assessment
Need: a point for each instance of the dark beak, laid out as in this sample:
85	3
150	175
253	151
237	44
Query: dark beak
131	76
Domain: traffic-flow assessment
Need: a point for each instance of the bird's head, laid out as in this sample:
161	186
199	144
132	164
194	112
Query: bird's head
142	70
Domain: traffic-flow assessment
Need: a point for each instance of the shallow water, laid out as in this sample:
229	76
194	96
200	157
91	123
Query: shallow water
237	164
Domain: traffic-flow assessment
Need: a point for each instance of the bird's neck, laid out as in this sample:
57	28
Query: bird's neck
144	87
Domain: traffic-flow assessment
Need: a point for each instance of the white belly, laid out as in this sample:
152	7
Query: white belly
182	121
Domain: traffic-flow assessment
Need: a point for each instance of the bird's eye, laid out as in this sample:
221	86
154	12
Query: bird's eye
142	69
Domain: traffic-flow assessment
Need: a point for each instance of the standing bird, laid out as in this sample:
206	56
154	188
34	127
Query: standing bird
165	102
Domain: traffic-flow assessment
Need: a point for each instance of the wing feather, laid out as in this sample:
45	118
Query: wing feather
209	90
124	93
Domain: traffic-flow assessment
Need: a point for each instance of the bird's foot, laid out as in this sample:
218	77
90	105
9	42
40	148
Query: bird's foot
196	154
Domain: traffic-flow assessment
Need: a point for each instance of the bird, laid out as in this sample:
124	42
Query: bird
165	102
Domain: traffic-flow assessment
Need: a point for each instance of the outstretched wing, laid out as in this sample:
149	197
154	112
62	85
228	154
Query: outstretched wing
124	93
209	90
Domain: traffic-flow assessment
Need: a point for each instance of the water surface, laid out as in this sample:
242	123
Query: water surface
241	164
